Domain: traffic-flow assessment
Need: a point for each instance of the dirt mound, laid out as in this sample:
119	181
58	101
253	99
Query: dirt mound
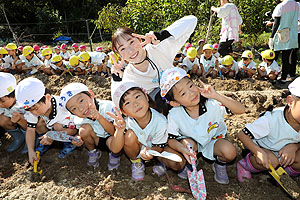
71	178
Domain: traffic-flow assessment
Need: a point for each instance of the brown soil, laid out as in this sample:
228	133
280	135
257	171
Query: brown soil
71	178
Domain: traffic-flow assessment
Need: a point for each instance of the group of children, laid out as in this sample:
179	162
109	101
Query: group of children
59	61
209	63
132	123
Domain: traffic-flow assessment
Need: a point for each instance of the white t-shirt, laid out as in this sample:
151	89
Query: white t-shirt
234	67
6	62
35	61
103	106
251	65
217	55
162	54
209	124
207	64
57	115
9	111
48	63
154	134
272	131
186	62
96	58
75	53
65	55
274	67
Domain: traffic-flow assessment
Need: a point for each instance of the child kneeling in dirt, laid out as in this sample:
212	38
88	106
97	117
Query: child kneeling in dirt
229	67
197	117
43	114
208	62
269	67
146	129
11	117
273	138
247	67
191	62
96	128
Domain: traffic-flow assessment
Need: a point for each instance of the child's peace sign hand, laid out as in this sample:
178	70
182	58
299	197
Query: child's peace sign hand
119	121
149	37
117	66
207	91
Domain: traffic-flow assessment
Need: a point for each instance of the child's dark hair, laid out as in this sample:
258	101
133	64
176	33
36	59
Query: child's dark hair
123	32
170	97
11	95
122	99
270	60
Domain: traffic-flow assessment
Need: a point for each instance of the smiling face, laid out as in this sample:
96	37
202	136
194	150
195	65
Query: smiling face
186	93
81	105
207	53
135	104
246	61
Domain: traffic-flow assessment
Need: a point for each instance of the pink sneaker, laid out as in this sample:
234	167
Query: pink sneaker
241	171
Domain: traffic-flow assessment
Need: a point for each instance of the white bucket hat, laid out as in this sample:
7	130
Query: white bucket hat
294	87
69	91
8	84
119	89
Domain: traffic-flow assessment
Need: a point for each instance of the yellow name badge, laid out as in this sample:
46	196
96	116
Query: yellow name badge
10	89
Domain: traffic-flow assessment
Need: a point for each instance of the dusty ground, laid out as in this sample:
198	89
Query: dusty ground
71	178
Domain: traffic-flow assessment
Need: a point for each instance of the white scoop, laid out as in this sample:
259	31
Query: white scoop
165	154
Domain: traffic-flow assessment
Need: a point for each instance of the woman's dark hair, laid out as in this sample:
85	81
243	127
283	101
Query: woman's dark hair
170	97
122	99
123	32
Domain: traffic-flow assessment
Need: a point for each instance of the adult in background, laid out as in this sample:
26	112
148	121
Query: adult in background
284	36
231	26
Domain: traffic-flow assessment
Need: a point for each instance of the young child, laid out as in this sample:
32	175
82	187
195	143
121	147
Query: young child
215	51
273	138
146	128
75	50
82	48
56	50
191	62
198	117
269	67
64	52
36	49
247	67
186	48
63	67
4	61
32	62
96	127
178	60
11	117
32	96
229	67
78	67
90	60
208	62
48	66
148	59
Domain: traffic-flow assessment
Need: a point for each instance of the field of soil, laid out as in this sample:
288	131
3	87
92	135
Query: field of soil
71	178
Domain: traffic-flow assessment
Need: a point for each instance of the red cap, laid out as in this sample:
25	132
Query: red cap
82	47
36	47
99	49
74	45
44	47
64	46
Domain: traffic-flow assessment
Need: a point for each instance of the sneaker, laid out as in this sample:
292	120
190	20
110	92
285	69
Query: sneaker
183	173
67	150
114	161
138	171
241	171
220	173
94	158
159	169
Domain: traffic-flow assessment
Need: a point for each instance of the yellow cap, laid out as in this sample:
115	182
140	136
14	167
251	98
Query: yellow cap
208	47
56	59
115	55
46	52
268	54
227	60
11	46
84	56
191	52
74	61
3	51
247	54
27	50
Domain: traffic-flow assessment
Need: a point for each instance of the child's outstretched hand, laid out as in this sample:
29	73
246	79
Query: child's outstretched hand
117	66
207	91
119	121
148	38
145	155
